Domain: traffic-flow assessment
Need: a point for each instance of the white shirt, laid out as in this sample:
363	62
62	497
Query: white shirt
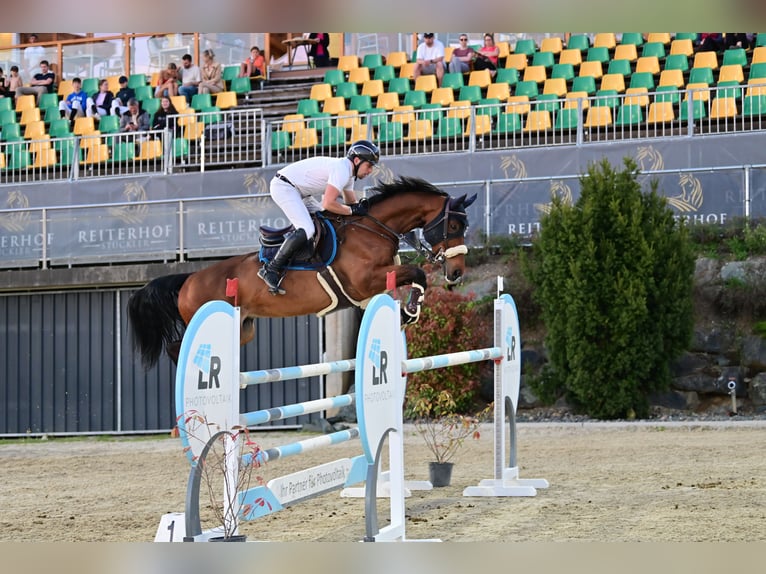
311	176
428	53
190	74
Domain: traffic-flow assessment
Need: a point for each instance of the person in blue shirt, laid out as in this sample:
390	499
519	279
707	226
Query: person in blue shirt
76	103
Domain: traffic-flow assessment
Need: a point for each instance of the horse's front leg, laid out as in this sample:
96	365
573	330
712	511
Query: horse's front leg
415	278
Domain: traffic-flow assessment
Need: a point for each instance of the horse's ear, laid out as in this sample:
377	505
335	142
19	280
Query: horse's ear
470	200
456	202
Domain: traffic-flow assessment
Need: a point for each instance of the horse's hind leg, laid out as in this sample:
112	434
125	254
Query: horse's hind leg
247	330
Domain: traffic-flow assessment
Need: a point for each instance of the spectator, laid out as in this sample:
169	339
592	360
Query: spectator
13	82
737	40
124	94
486	57
33	55
3	83
254	65
190	78
710	42
42	83
212	77
167	85
103	102
430	58
462	56
135	119
166	117
75	104
320	51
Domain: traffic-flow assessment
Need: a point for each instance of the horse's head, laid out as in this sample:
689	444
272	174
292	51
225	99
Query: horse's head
446	235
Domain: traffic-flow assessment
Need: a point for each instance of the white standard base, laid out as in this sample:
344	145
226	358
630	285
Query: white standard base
384	487
509	485
172	528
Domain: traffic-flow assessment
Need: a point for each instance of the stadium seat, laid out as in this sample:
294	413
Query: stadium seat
606	98
659	37
552	45
631	38
470	93
403	114
538	121
449	127
60	128
682	46
372	61
320	92
731	73
598	54
359	75
531	74
605	40
348	119
25	102
384	73
50	113
396	59
566	119
579	42
757	71
333	136
613	82
305	139
407	71
319	121
545	59
754	105
575	99
399	85
293	123
584	84
626	52
99	153
701	76
347	89
677	62
629	115
518	105
372	88
136	80
389	100
442	96
348	62
593	69
334	77
84	127
508	123
459	109
453	80
124	151
706	60
649	64
723	108
30	115
200	101
390	132
598	116
500	91
6	104
697	92
416	98
638	96
508	76
548	102
226	100
479	124
653	49
642	80
426	83
673	78
660	113
65	88
334	105
739	56
35	130
668	94
622	67
570	56
109	125
419	130
556	86
525	46
179	103
193	130
516	61
360	103
527	88
280	141
488	107
563	71
699	110
308	107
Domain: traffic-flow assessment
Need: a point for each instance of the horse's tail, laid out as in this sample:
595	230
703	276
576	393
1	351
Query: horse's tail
153	313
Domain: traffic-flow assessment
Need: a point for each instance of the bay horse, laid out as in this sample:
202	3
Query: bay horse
366	252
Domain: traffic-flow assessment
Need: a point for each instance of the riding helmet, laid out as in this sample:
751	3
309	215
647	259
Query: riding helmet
364	149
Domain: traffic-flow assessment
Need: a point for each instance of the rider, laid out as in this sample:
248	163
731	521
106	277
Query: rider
295	189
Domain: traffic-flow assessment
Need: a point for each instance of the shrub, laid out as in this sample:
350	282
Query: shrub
614	277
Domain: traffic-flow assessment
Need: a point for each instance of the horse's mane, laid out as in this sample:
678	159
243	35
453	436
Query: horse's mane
402	184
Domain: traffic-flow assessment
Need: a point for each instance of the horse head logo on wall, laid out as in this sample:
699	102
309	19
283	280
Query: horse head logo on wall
135	196
558	189
255	185
15	221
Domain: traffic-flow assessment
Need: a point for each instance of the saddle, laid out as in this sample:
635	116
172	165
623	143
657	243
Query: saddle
320	252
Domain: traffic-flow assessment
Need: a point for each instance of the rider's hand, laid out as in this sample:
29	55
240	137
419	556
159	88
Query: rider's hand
359	208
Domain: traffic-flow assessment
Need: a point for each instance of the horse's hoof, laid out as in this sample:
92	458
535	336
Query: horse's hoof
277	291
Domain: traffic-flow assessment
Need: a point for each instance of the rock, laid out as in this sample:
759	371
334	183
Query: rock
754	353
756	390
527	397
687	364
675	400
531	358
713	340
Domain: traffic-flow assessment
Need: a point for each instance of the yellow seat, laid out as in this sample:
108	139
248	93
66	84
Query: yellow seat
35	130
500	91
420	130
448	54
673	78
114	84
759	55
348	119
442	96
571	56
556	86
29	115
84	126
504	49
706	60
517	61
553	44
2	160
193	130
594	69
179	102
99	153
756	87
636	96
481	78
396	59
65	88
25	102
403	114
186	116
683	46
723	108
613	82
660	113
534	74
572	100
426	83
320	92
225	100
91	140
334	105
605	40
149	150
698	91
38	144
459	109
359	75
598	117
154	81
373	88
518	105
293	123
731	73
661	37
359	132
538	121
45	157
348	62
387	101
483	125
407	70
649	64
626	52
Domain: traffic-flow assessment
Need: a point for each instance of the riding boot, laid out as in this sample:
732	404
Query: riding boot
273	272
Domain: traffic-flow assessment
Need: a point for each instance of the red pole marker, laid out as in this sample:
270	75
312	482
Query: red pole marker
232	290
391	281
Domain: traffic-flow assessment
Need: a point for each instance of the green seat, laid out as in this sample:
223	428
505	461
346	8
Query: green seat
579	42
385	73
470	93
390	132
757	71
701	76
10	131
453	80
180	147
564	71
211	115
619	67
90	86
699	110
48	100
399	85
668	94
598	54
109	124
546	59
729	89
372	61
547	102
642	80
319	121
415	98
508	123
361	103
760	39
449	128
376	117
735	56
123	151
566	119
525	46
509	76
7	116
144	93
332	136
607	98
527	88
229	73
65	150
334	77
653	49
200	101
677	62
629	115
635	38
6	104
584	84
280	141
308	107
345	90
50	113
488	107
60	128
135	80
686	36
151	106
238	85
431	112
754	105
19	159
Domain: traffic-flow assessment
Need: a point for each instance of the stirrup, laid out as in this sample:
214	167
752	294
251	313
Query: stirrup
274	287
411	310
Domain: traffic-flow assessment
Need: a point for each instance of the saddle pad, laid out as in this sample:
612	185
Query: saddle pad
323	255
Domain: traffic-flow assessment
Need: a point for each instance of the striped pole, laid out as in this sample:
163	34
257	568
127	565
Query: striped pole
450	359
299	372
302	446
287	411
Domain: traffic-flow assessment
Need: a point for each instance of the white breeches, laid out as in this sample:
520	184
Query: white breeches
292	204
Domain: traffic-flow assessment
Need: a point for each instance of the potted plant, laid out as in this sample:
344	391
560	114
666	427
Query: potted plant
443	431
215	479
